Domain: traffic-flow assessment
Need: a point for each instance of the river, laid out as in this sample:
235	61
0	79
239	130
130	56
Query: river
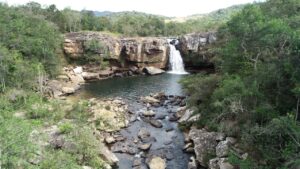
131	89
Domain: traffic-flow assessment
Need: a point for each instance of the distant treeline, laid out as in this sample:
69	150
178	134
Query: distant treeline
128	23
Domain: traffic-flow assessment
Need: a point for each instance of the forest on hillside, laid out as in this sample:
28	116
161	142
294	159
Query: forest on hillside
125	23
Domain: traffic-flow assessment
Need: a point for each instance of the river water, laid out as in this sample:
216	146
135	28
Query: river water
131	89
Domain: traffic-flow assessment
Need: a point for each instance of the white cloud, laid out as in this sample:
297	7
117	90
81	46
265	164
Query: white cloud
161	7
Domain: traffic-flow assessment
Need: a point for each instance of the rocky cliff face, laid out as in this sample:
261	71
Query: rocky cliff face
75	44
139	52
194	48
146	51
142	52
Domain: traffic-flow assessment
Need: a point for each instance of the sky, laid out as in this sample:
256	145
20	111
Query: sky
161	7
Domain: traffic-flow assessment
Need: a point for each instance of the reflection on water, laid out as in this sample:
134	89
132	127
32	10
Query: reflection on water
133	87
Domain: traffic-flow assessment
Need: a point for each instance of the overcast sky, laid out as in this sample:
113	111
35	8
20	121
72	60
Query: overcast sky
161	7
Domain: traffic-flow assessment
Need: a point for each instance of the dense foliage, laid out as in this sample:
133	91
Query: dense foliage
255	94
29	34
30	45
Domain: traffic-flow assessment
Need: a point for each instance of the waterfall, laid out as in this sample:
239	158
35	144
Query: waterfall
175	59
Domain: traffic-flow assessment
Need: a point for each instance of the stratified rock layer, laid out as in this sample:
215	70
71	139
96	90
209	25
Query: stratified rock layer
141	52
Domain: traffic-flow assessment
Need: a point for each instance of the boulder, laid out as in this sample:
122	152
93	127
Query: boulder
90	76
187	147
213	163
68	90
134	69
204	143
150	100
78	70
186	116
110	140
108	156
106	73
153	71
145	147
143	133
76	78
157	163
219	163
156	123
231	140
192	163
149	113
137	162
222	148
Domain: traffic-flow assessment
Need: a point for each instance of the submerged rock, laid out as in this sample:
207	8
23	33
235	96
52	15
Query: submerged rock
143	133
137	162
145	147
156	123
149	113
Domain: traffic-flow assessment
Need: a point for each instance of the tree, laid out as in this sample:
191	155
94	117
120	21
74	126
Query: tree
73	20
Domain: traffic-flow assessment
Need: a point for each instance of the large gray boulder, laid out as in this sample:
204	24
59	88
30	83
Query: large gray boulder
153	71
204	143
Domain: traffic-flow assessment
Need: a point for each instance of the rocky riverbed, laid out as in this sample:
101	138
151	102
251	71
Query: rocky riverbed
152	138
143	132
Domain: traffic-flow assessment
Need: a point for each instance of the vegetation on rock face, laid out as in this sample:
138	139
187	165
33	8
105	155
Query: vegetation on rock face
255	94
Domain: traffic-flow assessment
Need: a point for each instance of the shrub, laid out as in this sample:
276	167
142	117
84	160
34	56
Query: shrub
57	159
87	147
65	128
16	148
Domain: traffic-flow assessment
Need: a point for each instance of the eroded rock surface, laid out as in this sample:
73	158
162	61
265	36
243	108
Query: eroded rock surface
194	48
141	52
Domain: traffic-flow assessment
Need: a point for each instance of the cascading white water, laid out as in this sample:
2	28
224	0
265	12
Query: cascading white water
175	60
